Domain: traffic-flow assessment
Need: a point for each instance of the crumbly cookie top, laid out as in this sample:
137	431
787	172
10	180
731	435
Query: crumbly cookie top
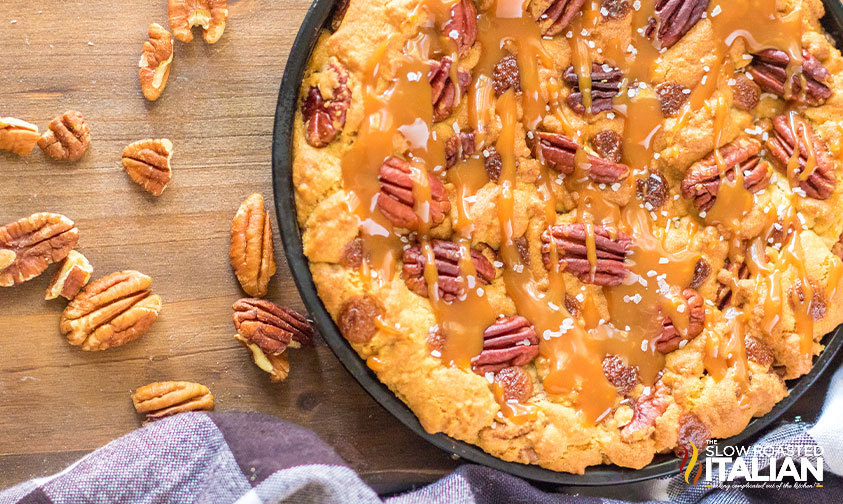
620	215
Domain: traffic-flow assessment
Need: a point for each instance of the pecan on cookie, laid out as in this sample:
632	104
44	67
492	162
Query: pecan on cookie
323	109
733	271
162	399
147	162
459	147
251	253
559	152
792	147
674	18
647	408
18	136
606	82
209	14
702	180
68	138
445	93
447	256
508	342
570	241
397	197
29	245
671	338
462	25
553	16
769	70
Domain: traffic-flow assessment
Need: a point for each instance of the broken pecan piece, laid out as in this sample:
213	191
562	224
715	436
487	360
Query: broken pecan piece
110	312
737	271
553	16
559	152
787	129
162	399
147	162
670	338
608	144
622	376
209	14
652	190
459	147
515	383
29	245
646	410
462	25
73	274
68	138
445	93
358	319
606	83
155	61
769	70
324	109
508	342
692	432
674	18
251	252
397	197
672	97
702	180
447	256
506	76
570	241
18	136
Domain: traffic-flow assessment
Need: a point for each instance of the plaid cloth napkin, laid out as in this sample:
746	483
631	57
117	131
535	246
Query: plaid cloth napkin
250	458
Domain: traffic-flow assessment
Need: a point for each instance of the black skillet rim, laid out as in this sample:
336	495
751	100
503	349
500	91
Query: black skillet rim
663	465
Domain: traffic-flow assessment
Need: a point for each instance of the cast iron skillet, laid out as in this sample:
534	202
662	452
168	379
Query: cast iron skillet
285	208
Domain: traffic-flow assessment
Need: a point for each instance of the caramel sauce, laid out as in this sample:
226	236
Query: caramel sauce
513	410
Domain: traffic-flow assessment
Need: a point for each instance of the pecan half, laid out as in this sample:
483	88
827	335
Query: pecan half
623	377
324	116
506	76
652	190
702	180
692	432
674	18
110	312
606	83
769	70
508	342
251	252
163	399
18	136
397	200
445	93
447	260
358	319
554	16
209	14
29	245
462	25
670	338
614	10
515	383
493	163
271	327
147	162
559	152
787	129
570	241
646	410
672	97
745	93
73	274
736	270
68	138
608	144
155	61
459	147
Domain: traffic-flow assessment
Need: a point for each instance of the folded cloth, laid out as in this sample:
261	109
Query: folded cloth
251	458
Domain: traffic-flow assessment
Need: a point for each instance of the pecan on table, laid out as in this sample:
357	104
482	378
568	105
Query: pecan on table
674	18
553	16
570	241
670	338
769	70
516	384
737	270
74	273
18	136
692	432
251	252
622	376
508	342
787	129
358	319
68	138
459	147
462	25
702	180
397	197
506	75
608	144
110	312
445	93
324	114
155	61
29	245
606	82
447	261
647	408
147	162
559	152
209	14
162	399
652	190
672	97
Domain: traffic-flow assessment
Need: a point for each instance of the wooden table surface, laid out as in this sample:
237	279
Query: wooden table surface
58	402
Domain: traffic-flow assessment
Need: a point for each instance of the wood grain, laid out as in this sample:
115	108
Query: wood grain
58	402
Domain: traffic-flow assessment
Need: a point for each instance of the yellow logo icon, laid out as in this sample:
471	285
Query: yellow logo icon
687	465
